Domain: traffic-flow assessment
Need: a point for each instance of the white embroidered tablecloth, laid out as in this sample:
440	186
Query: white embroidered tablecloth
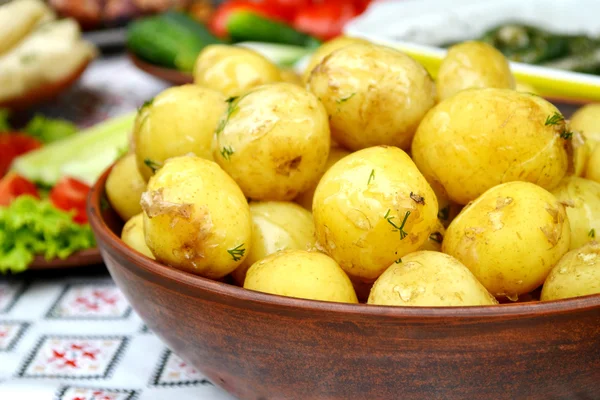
74	336
77	338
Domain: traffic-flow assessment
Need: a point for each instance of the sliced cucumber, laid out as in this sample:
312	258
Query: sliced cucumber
85	154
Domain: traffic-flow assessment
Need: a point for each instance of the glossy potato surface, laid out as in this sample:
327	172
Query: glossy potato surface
196	218
481	138
510	237
372	208
374	95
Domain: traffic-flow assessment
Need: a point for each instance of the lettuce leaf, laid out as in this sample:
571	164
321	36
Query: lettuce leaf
30	227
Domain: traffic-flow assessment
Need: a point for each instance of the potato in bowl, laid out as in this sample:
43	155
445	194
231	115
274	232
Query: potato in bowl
294	320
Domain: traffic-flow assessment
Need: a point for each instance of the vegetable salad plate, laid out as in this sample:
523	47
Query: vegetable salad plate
429	26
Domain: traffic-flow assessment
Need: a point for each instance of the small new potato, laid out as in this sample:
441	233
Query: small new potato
233	70
277	225
326	49
473	65
133	235
180	120
301	274
576	274
581	198
429	279
480	138
593	167
290	76
374	95
372	208
587	121
274	141
196	218
306	199
510	237
124	187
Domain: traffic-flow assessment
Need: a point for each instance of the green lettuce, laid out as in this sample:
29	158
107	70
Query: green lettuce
31	227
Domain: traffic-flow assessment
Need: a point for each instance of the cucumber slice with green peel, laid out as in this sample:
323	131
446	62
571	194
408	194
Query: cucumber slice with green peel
85	154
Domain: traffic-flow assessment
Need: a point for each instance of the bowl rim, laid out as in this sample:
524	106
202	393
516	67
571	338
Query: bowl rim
195	283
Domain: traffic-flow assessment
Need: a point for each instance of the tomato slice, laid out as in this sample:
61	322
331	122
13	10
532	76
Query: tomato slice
218	22
13	186
325	20
71	195
13	145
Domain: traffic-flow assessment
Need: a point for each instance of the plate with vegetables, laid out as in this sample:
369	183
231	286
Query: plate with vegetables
558	60
46	171
167	45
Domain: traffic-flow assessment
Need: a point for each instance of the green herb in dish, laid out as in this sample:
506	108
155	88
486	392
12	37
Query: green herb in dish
30	227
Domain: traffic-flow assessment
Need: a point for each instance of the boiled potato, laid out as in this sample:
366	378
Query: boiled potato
429	279
435	239
473	65
290	76
576	274
233	70
510	237
124	187
179	121
372	208
196	218
326	49
526	88
302	274
306	199
277	225
581	198
274	141
373	94
593	166
587	121
480	138
133	235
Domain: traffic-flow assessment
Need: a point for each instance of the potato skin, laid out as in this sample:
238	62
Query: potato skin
277	225
301	274
179	121
133	235
196	218
576	274
372	208
593	166
306	199
429	279
581	198
473	65
374	95
510	237
326	49
480	138
233	70
124	187
587	121
274	141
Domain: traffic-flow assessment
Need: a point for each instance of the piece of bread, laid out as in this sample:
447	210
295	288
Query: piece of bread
49	54
18	18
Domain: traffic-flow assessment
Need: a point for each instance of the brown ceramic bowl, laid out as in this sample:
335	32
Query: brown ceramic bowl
260	346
